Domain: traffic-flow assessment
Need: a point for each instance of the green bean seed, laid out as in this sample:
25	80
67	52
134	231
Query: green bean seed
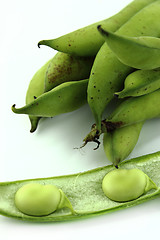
40	200
123	185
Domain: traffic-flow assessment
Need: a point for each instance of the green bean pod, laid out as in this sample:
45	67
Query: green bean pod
35	89
108	73
64	98
137	52
61	68
120	143
86	41
64	67
140	82
134	110
84	191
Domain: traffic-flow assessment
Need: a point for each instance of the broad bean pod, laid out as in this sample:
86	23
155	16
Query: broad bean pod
137	52
86	41
35	89
119	143
140	82
64	98
108	73
84	191
65	68
61	68
134	110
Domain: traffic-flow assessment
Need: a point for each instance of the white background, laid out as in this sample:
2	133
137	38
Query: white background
49	151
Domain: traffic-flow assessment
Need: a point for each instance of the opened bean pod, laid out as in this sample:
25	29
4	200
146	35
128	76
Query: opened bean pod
83	190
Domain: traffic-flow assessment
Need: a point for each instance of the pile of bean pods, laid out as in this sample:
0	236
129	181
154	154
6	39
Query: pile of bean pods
114	58
119	57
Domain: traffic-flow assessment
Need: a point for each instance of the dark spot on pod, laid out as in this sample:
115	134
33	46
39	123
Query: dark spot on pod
97	132
91	97
111	126
115	95
34	97
98	90
94	86
102	31
93	126
69	45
